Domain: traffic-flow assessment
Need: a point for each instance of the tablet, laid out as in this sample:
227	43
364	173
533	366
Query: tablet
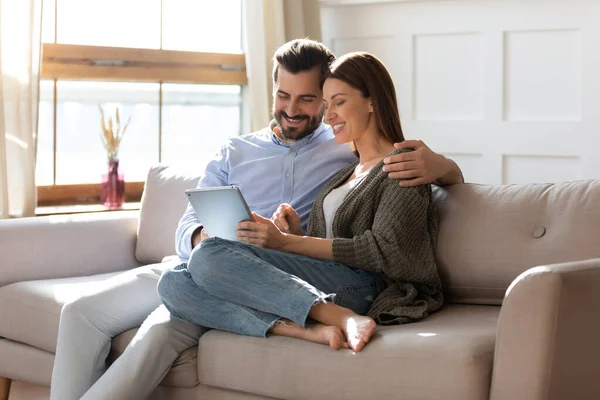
219	209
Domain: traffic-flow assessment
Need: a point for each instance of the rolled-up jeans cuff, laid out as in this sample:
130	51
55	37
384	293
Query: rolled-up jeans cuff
306	322
269	326
320	298
324	298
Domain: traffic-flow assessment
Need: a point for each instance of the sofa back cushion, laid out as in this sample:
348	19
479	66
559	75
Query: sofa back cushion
163	204
488	234
491	234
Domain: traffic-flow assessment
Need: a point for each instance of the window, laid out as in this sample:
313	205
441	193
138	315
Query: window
175	67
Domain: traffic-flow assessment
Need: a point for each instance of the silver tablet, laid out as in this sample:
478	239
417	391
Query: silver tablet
219	209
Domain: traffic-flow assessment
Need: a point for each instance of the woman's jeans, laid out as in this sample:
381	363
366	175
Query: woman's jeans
241	288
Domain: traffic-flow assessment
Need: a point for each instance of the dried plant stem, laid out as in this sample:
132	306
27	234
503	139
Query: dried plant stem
112	133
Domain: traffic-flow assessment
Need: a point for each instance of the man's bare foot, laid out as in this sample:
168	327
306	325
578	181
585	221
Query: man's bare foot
331	335
358	330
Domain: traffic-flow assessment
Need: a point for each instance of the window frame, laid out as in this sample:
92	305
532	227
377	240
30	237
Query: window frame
83	62
102	63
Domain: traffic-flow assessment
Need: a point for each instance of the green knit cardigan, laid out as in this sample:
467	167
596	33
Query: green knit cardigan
381	227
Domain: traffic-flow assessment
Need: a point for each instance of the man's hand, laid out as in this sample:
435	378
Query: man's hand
287	220
198	237
263	233
421	166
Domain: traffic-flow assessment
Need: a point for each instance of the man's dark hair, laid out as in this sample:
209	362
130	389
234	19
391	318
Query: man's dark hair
303	55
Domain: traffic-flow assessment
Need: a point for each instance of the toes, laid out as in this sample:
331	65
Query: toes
364	336
359	332
335	343
356	344
359	346
368	331
337	340
342	340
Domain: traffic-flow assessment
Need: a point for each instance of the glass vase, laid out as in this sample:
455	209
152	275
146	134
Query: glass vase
112	188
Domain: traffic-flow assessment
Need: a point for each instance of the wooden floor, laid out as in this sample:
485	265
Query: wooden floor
27	391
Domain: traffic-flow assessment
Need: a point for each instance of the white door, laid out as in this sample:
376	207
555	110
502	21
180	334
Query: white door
510	89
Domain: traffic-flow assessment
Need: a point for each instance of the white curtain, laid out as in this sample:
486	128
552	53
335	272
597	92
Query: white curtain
267	25
20	48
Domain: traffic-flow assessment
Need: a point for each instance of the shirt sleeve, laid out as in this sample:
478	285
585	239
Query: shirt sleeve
400	243
216	174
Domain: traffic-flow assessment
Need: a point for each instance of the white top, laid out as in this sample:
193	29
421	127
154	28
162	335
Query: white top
335	198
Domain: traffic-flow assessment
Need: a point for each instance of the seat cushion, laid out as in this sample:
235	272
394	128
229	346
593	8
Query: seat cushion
31	310
31	315
25	363
448	355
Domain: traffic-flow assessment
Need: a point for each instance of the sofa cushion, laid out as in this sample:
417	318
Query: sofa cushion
41	302
163	204
31	315
489	235
25	363
31	310
448	355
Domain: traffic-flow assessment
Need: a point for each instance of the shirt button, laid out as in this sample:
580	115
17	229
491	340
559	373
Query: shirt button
287	174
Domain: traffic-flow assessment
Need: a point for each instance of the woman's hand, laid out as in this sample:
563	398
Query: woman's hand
287	220
263	233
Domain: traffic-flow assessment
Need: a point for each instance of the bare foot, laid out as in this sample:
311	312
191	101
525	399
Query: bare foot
358	330
331	335
318	333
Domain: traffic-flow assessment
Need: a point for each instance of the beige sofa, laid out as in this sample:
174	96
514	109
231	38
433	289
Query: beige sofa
541	242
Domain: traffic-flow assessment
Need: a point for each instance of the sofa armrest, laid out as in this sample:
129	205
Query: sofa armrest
67	245
548	343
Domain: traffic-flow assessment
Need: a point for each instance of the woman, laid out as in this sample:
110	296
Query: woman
369	254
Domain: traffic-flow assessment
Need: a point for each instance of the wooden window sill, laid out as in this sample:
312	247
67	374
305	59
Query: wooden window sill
82	208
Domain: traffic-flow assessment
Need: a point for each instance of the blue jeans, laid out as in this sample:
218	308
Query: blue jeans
241	288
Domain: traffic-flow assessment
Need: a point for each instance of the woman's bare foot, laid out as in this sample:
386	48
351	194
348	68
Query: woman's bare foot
318	333
331	335
358	330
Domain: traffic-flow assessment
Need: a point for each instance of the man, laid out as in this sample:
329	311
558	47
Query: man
288	162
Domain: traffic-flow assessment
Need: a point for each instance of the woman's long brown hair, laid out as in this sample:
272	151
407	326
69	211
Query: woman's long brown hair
364	71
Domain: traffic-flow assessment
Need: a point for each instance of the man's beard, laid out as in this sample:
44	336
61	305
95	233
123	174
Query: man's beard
293	133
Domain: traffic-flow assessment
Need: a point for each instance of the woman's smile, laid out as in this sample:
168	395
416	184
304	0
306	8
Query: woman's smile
337	128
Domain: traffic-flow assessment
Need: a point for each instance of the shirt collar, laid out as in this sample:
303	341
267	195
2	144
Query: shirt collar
295	143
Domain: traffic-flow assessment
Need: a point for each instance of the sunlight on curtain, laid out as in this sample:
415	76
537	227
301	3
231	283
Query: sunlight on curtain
20	47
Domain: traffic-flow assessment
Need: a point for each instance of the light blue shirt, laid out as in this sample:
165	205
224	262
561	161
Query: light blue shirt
269	171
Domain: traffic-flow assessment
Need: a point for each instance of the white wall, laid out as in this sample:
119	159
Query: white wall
510	89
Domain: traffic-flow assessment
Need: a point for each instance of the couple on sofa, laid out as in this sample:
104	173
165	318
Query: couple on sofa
368	257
